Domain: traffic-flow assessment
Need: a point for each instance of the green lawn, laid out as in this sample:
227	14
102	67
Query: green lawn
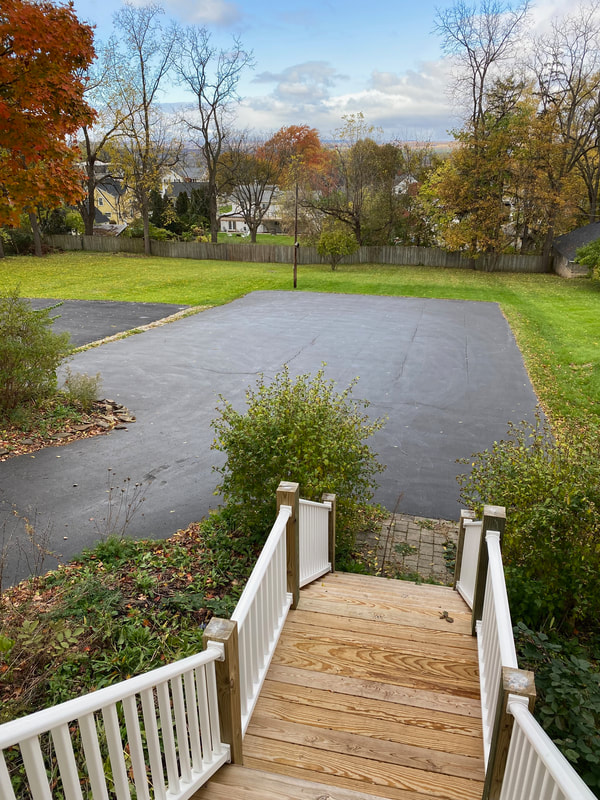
261	238
556	322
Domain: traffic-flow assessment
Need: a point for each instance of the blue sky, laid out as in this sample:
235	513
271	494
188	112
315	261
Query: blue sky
317	60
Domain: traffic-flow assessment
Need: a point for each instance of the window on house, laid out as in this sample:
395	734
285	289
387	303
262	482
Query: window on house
100	200
231	224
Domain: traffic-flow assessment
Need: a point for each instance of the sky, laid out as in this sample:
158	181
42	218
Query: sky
318	60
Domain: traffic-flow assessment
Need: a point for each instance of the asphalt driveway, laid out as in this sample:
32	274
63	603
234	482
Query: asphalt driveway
447	374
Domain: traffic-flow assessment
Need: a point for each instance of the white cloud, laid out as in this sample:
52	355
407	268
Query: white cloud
413	104
308	83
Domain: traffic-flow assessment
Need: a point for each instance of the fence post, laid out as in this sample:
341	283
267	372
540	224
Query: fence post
460	545
228	684
330	498
494	519
288	494
514	681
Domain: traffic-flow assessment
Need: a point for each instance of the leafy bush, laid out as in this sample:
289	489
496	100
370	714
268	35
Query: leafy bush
82	388
335	242
136	231
29	353
17	241
568	698
589	255
551	490
301	430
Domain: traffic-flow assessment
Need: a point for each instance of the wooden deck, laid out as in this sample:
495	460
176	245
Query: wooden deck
372	692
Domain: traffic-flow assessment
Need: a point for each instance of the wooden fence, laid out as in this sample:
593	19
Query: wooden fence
284	254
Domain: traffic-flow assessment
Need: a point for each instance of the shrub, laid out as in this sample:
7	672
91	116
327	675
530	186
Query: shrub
82	388
29	352
18	241
551	490
568	698
136	231
300	430
335	242
589	255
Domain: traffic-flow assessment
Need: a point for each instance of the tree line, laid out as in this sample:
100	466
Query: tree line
525	165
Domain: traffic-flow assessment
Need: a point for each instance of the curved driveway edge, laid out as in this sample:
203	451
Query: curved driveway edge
446	373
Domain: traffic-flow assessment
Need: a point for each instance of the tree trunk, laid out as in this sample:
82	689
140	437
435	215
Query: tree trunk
253	230
547	248
89	204
37	237
213	211
1	246
146	223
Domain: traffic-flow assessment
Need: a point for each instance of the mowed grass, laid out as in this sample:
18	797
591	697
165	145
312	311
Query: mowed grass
556	322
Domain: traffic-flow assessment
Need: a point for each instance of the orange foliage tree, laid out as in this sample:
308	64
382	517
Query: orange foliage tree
44	52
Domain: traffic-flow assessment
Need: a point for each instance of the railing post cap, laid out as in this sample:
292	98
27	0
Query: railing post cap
518	681
288	486
219	629
494	511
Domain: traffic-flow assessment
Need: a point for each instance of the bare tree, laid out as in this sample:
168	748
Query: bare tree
112	114
566	66
143	57
212	75
481	38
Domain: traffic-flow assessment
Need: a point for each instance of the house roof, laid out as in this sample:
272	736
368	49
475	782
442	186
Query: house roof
568	243
177	187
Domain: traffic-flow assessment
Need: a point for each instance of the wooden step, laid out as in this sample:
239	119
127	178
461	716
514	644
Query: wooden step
241	783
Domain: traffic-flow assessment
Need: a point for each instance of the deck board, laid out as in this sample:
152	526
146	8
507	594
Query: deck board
371	693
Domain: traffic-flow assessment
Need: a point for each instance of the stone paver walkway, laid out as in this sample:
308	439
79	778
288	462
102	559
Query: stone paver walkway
414	547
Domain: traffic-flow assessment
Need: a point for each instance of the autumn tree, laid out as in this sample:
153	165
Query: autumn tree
249	173
44	50
357	188
212	75
143	56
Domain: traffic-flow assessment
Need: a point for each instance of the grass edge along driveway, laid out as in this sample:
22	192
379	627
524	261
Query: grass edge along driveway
555	321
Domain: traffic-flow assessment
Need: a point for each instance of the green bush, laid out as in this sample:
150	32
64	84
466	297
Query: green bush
589	255
335	242
17	241
551	490
82	388
29	353
136	231
568	698
300	430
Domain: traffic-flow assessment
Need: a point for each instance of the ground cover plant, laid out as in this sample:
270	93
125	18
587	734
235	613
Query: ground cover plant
119	609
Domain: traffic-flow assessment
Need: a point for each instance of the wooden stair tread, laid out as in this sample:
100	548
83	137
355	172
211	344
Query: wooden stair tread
244	783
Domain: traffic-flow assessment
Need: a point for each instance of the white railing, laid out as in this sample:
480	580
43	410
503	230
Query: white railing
314	540
260	614
535	768
122	737
495	641
120	741
465	586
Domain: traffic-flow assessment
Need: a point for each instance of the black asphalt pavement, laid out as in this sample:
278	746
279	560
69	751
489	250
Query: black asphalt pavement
446	373
90	320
